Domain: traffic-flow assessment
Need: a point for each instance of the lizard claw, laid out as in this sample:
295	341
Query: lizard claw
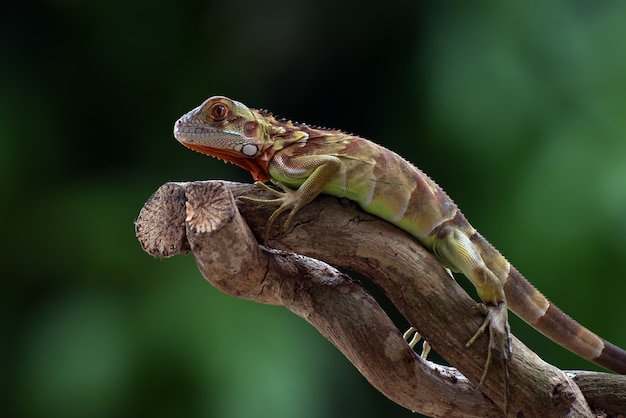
267	188
412	337
287	199
496	319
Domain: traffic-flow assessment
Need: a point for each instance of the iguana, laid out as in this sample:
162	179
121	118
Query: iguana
304	161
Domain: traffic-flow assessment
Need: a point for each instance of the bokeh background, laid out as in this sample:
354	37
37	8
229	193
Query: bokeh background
516	108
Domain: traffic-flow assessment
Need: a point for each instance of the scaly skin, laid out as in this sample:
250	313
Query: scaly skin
305	161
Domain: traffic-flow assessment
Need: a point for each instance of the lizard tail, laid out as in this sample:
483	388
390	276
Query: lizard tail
533	307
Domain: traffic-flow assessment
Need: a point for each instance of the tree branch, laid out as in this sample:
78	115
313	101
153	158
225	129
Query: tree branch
202	217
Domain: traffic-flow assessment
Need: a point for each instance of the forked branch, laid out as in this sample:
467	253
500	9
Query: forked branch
202	217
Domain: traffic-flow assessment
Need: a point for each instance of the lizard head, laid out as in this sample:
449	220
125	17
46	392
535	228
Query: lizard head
228	130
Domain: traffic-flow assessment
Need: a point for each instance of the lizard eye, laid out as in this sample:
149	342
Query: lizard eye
218	112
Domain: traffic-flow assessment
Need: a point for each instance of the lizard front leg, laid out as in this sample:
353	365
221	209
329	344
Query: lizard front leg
457	251
311	172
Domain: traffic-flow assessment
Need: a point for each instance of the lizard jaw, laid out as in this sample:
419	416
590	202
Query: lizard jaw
259	172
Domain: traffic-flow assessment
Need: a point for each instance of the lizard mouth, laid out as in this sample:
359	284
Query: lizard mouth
222	154
259	172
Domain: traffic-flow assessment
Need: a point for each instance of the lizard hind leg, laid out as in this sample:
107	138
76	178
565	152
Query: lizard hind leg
456	250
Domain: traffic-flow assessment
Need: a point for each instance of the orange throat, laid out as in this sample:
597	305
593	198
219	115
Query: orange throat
256	166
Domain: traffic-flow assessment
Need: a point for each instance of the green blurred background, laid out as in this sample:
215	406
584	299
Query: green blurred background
516	108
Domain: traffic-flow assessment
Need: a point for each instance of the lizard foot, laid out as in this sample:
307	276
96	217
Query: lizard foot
286	200
412	337
496	319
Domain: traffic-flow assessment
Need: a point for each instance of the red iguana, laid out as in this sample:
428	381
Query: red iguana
304	161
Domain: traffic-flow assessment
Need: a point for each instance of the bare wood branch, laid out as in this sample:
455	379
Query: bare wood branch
606	392
413	280
229	257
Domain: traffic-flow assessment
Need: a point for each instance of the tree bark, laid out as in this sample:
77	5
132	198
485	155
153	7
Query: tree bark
222	234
